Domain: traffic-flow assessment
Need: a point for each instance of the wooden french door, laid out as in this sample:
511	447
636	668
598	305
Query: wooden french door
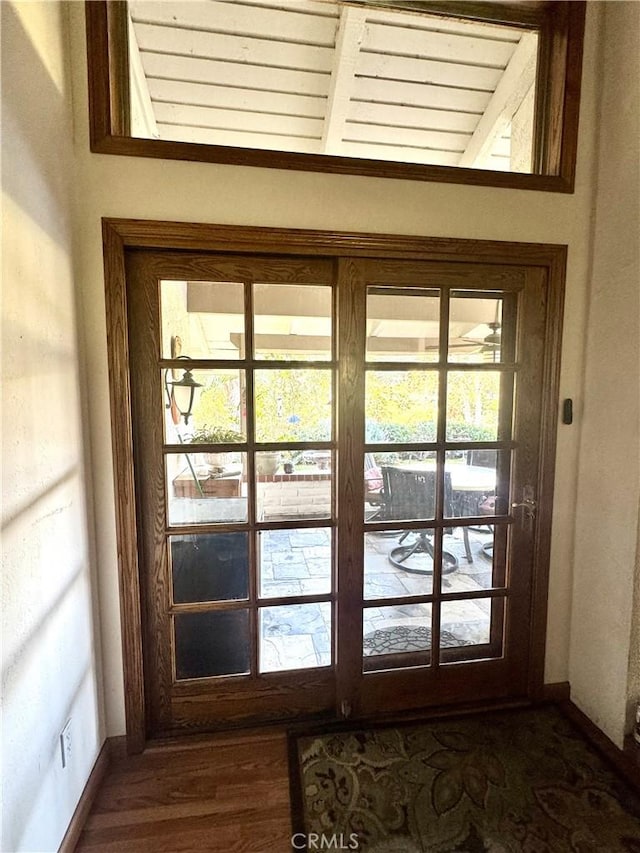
327	456
437	571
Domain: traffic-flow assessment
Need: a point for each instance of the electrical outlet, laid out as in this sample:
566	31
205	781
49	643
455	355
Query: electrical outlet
65	744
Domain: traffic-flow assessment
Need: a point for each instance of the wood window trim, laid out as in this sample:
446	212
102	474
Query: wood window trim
561	25
122	235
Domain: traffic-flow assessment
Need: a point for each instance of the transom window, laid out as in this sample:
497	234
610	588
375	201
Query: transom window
395	89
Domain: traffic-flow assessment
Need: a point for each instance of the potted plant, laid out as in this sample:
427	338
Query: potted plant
267	462
208	434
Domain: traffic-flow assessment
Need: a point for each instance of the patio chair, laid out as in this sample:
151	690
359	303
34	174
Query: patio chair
408	495
484	504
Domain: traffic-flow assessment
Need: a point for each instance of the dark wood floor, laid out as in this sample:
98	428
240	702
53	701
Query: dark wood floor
226	794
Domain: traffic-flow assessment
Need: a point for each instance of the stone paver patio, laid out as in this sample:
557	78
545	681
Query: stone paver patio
295	562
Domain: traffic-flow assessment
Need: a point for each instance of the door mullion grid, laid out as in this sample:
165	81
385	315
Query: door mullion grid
440	463
351	333
254	626
335	464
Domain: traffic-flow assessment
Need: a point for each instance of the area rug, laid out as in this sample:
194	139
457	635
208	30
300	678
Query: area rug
405	638
510	782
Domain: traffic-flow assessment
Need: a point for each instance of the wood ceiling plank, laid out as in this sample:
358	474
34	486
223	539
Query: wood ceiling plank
238	139
420	95
211	71
199	94
415	117
254	51
455	142
404	155
428	71
237	120
314	7
439	23
248	20
435	45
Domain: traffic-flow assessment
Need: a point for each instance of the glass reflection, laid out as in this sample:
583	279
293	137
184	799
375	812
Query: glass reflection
209	644
209	567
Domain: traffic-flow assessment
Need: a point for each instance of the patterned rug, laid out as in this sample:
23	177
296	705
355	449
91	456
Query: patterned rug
510	782
405	638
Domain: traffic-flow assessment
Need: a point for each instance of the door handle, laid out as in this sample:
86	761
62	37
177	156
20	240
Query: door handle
528	504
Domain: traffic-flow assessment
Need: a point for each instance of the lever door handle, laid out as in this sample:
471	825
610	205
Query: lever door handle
528	505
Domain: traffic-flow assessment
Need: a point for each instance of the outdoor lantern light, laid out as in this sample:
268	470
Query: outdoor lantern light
181	392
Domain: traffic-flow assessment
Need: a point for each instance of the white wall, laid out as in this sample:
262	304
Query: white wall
170	190
609	471
49	668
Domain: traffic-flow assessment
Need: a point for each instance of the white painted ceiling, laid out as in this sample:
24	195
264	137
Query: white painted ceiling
328	77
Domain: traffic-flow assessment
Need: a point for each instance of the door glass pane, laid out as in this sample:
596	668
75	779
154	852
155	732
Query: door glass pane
474	483
403	631
305	493
377	506
481	555
401	406
473	405
409	493
475	329
209	567
215	643
292	322
215	414
471	629
202	319
206	487
293	405
294	562
403	324
386	579
296	636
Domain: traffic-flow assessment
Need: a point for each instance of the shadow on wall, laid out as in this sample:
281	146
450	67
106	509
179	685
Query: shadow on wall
49	660
32	105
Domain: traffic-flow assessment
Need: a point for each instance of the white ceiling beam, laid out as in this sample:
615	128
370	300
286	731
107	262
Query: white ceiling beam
348	41
510	91
142	118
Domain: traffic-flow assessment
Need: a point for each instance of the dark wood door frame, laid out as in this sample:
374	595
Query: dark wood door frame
123	235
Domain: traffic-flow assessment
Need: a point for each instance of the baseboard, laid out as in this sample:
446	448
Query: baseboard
80	815
625	762
559	691
118	747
